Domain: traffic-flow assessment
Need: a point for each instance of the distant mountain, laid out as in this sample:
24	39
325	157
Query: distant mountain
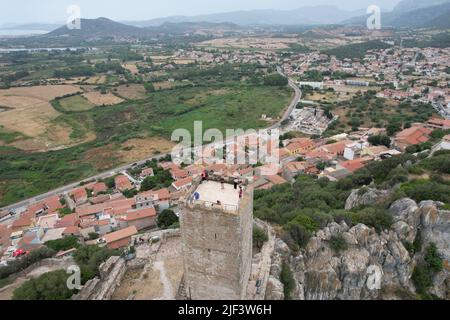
303	16
411	5
416	16
435	16
97	28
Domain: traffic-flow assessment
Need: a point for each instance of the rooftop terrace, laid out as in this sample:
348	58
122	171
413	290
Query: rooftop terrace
211	194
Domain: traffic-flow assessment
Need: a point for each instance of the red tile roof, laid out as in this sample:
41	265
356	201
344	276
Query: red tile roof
276	179
121	234
115	204
71	230
123	183
68	221
140	214
182	183
79	194
414	135
99	187
355	165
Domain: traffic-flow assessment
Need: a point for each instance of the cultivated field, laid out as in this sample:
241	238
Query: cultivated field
100	99
31	114
248	43
131	91
75	104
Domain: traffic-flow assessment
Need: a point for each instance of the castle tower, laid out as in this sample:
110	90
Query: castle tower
217	230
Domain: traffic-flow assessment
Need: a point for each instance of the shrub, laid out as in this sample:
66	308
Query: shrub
422	279
166	219
49	286
89	258
338	243
287	280
259	237
63	244
433	259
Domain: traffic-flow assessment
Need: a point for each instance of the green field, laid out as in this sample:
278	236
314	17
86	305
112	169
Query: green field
232	105
75	104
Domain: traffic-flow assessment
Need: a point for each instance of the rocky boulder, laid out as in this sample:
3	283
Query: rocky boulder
366	196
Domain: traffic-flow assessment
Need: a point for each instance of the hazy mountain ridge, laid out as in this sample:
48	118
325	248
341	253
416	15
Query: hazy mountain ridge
302	16
97	27
431	16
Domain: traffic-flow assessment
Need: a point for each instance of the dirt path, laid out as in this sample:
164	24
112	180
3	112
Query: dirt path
168	292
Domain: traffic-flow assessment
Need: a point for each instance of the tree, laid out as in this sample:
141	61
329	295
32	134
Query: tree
380	140
167	218
49	286
259	237
276	80
89	258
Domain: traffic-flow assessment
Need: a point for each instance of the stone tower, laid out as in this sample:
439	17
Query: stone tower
217	230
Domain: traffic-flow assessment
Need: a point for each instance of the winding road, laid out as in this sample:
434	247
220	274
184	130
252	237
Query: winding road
113	172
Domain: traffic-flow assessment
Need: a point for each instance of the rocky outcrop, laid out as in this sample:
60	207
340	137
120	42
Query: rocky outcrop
371	265
366	196
435	228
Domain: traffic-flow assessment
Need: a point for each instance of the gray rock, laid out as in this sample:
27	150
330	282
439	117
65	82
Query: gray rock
366	196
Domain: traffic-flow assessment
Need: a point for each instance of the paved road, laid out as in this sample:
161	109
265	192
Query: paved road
113	172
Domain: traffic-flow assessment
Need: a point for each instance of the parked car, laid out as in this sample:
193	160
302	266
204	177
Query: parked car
19	253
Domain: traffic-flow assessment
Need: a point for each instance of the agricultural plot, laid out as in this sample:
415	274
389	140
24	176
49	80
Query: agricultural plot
31	114
131	91
99	99
75	104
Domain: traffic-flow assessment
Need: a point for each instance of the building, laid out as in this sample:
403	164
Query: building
216	227
312	84
122	183
141	219
79	196
412	136
160	199
436	123
121	238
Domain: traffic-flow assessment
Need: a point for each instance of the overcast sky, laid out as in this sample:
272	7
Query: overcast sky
23	11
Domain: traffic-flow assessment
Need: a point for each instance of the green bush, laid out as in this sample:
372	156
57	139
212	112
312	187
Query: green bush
433	259
423	273
259	237
338	243
89	259
63	244
49	286
287	280
422	279
166	219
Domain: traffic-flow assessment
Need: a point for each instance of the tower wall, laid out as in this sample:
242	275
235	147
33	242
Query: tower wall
217	250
